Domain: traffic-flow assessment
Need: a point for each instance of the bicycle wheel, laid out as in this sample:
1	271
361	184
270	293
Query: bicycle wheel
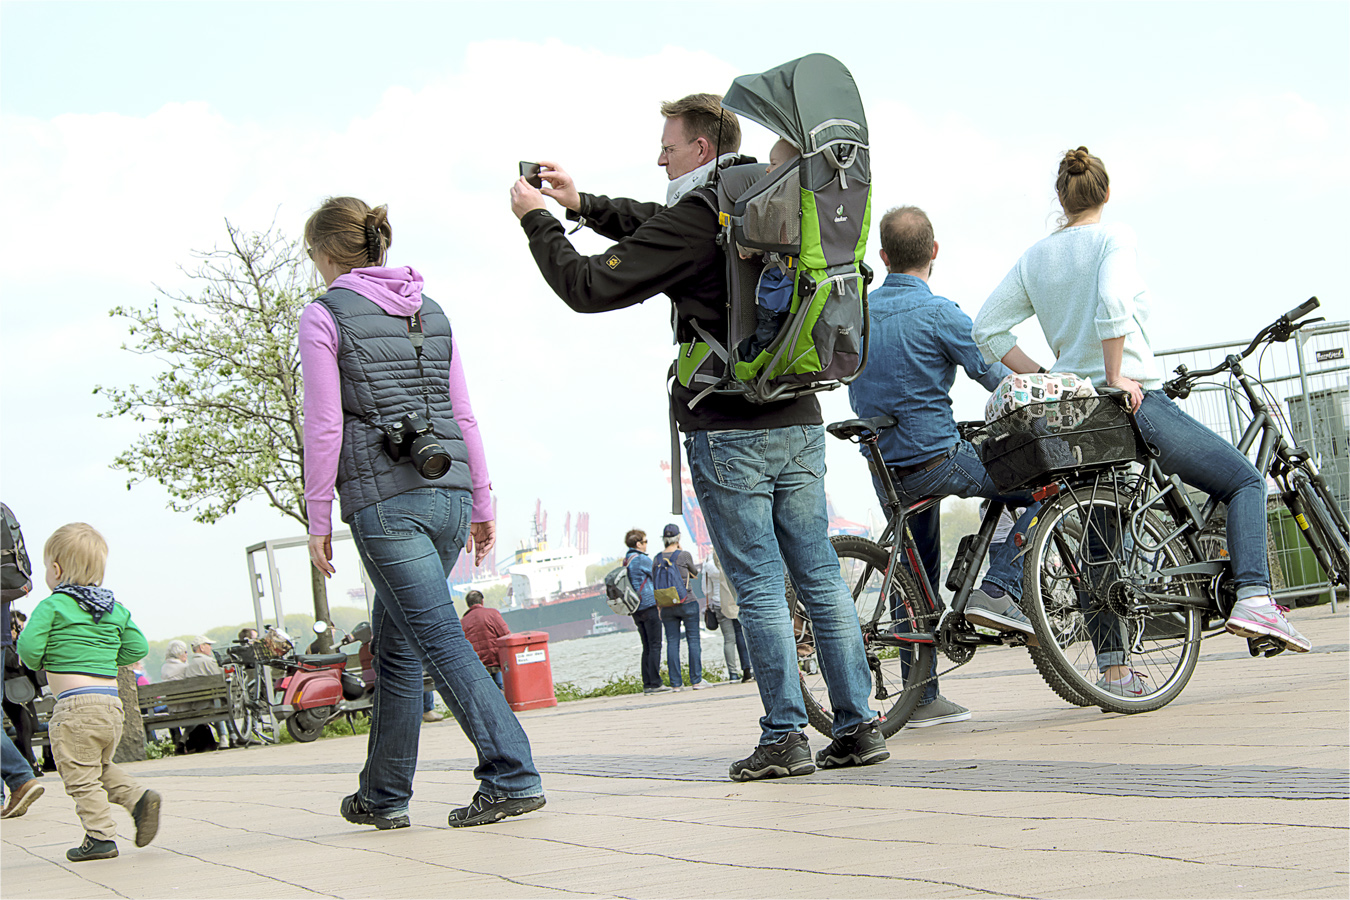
239	704
898	688
1084	575
1067	617
1323	529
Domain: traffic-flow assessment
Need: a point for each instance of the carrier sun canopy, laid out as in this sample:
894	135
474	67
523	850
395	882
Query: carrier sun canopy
812	101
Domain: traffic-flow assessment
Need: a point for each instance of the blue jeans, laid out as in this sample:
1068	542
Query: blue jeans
16	770
1206	461
763	497
672	617
409	544
962	475
649	629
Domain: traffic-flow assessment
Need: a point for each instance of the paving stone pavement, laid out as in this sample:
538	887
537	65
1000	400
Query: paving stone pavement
1239	788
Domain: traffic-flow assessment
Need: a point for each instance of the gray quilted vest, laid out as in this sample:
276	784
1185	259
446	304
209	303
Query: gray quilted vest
380	385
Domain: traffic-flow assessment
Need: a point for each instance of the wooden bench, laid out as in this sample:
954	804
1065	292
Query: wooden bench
199	700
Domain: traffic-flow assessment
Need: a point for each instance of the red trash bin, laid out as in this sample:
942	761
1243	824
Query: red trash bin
527	673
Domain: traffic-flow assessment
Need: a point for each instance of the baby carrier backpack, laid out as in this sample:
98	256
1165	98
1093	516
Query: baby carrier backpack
813	212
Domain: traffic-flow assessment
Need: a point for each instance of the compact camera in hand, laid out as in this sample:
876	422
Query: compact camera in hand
412	437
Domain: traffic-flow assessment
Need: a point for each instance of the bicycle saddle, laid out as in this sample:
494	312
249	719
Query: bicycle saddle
853	429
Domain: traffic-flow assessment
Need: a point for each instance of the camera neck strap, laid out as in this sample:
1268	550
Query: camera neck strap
416	336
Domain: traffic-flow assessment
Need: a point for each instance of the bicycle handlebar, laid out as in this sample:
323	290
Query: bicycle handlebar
1302	309
1280	330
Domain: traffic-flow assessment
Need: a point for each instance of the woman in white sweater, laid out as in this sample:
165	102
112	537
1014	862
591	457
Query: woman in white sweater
1083	286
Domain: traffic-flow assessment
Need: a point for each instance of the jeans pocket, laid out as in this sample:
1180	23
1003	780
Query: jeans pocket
413	512
738	457
812	456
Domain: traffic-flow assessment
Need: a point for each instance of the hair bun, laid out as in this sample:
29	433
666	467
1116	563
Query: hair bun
1076	161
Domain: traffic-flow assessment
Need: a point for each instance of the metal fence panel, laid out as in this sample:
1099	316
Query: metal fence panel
1308	387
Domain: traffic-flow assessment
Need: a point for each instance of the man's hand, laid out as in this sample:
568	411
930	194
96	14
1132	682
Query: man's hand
525	198
482	538
560	187
321	553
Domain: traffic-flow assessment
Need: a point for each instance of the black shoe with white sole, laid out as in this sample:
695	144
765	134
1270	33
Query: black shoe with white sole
789	755
862	746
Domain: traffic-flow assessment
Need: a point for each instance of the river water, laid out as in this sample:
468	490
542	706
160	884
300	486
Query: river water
590	662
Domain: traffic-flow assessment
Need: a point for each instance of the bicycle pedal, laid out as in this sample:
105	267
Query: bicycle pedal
1264	646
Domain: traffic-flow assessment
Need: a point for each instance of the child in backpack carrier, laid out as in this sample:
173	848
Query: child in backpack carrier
773	298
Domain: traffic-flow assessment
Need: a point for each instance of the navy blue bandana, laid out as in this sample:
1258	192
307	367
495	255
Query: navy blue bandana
96	601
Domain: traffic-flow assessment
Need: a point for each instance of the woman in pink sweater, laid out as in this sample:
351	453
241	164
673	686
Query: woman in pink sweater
389	424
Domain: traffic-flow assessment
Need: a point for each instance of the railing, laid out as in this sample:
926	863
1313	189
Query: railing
1308	385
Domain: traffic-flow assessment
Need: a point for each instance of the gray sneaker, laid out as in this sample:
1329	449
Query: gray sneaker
940	712
663	689
1000	614
1132	687
1265	619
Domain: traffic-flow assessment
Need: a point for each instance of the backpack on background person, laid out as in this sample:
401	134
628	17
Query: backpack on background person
667	585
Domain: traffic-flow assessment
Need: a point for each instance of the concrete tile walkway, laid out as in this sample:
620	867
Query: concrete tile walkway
1239	788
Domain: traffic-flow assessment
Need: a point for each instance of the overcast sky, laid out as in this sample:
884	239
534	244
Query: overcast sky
131	131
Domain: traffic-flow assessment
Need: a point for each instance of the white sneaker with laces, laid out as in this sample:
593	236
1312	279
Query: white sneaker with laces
1261	617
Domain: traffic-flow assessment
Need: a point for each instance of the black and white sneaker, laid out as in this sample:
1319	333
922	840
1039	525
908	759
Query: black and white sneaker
862	746
789	755
354	810
483	810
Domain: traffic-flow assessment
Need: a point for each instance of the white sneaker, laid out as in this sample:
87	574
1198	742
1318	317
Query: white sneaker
699	686
1260	617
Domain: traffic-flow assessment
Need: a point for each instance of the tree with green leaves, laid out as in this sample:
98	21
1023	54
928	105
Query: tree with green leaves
223	419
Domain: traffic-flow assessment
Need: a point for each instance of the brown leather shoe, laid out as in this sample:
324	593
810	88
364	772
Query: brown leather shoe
21	799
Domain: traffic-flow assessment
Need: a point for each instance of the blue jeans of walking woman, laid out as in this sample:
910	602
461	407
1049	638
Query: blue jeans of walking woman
409	543
763	498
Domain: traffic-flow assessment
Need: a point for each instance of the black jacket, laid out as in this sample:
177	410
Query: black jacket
659	250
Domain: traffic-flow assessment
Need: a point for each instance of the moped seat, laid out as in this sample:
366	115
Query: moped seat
321	659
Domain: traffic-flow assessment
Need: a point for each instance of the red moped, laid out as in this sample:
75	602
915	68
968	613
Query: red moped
317	688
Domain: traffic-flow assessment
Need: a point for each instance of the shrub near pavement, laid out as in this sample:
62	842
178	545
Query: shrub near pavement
565	691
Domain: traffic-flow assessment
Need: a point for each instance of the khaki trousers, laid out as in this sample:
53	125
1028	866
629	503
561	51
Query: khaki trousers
84	732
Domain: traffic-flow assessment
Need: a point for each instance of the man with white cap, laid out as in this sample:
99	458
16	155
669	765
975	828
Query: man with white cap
203	662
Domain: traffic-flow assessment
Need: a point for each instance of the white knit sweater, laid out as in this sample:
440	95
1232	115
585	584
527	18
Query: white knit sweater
1083	286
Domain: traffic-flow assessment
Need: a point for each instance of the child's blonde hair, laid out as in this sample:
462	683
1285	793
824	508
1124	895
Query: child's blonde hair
80	551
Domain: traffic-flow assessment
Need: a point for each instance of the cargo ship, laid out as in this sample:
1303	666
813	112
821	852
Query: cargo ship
548	585
549	590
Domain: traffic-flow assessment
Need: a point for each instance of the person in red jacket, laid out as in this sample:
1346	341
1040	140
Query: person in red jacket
482	626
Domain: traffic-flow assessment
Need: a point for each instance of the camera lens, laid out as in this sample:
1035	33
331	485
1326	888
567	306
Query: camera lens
429	457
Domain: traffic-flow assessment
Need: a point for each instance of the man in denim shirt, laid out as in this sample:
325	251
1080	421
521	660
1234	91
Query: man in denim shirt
917	340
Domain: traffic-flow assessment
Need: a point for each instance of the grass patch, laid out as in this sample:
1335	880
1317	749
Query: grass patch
565	691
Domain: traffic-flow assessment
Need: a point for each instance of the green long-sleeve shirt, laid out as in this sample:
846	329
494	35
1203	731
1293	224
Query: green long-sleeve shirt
61	637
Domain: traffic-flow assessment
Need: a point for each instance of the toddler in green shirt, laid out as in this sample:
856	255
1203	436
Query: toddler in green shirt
80	635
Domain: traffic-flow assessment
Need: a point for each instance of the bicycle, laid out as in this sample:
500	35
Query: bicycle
1123	555
897	609
251	686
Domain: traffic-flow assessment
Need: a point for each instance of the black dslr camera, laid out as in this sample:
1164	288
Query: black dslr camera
412	437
